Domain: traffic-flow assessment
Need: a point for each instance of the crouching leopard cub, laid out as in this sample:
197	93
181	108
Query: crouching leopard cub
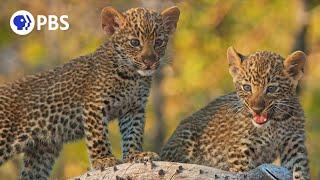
242	130
39	113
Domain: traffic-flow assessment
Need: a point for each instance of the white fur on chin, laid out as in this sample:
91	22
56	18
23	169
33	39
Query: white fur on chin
146	72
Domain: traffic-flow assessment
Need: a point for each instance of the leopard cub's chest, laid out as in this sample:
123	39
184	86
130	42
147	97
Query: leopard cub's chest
225	141
262	144
125	97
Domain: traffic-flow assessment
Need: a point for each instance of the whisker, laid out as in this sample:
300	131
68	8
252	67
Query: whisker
269	107
246	104
286	105
283	111
166	62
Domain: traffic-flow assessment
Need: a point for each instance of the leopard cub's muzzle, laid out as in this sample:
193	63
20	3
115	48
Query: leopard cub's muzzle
150	61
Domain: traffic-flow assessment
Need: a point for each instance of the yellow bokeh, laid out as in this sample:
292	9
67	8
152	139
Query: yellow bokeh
198	71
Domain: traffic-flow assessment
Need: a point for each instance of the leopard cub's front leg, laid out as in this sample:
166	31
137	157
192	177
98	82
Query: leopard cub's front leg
132	127
97	139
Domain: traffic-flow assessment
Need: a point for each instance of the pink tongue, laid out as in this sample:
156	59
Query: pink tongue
260	119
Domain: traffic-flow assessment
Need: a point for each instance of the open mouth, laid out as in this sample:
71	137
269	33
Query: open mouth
260	118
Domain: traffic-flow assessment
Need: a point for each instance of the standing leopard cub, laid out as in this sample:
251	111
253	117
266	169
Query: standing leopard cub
242	130
39	113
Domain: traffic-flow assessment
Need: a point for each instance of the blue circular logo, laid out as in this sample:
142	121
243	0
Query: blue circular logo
22	22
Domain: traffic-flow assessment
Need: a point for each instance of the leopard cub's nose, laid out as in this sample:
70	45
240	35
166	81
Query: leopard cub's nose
148	59
257	109
148	63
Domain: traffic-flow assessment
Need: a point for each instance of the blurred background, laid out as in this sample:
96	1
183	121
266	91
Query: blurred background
198	71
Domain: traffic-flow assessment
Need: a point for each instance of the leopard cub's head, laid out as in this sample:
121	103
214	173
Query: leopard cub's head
140	35
265	82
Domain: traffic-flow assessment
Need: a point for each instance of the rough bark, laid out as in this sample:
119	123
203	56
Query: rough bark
172	170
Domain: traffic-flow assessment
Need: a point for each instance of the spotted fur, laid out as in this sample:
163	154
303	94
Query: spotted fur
39	113
225	135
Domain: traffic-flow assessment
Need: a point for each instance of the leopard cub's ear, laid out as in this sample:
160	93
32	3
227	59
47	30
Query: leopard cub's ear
235	59
170	17
294	64
111	20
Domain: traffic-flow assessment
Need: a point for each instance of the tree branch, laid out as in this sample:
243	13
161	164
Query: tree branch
172	170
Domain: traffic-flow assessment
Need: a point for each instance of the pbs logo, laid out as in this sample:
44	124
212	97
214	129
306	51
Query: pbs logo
22	22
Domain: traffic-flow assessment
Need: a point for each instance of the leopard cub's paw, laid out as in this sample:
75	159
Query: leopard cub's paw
102	163
141	157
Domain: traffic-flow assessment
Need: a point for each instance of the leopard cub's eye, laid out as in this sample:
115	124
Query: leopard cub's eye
134	42
158	42
271	89
246	87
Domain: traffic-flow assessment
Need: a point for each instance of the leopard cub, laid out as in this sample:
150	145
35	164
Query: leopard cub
242	130
39	113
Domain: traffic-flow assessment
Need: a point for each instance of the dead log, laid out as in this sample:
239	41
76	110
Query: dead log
171	170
